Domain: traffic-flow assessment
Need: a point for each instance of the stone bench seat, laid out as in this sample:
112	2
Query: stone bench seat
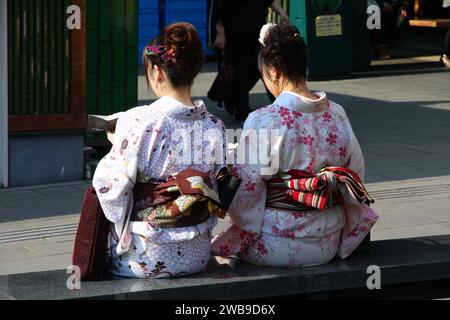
417	261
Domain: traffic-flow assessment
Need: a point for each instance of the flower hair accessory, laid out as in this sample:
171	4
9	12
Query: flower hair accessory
264	30
161	52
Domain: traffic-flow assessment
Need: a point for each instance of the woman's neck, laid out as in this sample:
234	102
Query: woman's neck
182	95
301	89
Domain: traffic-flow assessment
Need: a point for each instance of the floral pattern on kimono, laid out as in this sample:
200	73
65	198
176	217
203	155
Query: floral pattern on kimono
313	134
163	253
153	143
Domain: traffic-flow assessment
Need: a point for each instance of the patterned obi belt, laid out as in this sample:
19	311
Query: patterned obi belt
185	200
298	190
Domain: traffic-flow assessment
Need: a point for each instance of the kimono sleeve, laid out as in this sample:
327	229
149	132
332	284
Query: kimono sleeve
356	157
248	207
247	211
360	219
116	174
355	161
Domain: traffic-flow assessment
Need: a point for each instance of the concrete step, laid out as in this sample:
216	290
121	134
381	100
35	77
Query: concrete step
411	264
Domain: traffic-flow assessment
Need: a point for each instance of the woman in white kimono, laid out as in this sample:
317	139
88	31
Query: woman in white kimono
154	143
313	133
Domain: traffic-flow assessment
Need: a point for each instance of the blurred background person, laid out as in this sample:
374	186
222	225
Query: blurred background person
394	15
238	24
445	58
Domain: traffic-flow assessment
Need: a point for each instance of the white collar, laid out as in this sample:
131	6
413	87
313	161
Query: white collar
171	107
299	103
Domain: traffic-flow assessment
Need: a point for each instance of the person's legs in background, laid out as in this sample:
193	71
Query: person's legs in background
386	34
445	59
241	84
232	56
375	40
240	54
220	104
239	59
447	43
381	38
256	74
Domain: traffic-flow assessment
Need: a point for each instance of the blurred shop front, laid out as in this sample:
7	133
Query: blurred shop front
339	40
46	91
155	14
56	77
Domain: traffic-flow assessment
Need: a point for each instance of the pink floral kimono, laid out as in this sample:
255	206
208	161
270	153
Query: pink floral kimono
313	134
153	143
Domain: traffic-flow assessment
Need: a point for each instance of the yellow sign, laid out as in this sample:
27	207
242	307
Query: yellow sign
329	25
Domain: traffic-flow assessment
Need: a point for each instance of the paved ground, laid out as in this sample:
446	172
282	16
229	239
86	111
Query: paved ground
403	125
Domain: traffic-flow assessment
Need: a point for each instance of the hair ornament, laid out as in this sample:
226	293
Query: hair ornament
264	31
161	52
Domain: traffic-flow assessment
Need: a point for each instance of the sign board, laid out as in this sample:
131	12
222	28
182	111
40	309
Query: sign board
327	6
329	25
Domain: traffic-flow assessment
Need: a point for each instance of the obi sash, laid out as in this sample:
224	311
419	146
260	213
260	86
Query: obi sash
298	190
187	199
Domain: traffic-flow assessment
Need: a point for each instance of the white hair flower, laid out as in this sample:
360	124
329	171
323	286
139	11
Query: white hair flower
264	30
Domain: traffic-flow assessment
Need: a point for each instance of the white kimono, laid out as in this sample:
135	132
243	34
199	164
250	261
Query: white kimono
152	143
313	134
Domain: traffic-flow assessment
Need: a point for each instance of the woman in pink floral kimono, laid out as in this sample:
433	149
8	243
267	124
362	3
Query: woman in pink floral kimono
313	207
160	151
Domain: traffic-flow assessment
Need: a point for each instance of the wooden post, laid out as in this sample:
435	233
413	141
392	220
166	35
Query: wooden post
78	65
4	94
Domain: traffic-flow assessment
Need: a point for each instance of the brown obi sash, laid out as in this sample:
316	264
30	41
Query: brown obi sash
187	199
298	190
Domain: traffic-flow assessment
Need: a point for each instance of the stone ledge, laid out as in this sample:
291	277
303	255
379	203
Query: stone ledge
402	261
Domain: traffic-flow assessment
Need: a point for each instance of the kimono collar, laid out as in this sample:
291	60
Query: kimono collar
173	108
299	103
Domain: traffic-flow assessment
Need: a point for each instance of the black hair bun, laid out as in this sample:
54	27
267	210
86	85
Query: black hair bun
285	50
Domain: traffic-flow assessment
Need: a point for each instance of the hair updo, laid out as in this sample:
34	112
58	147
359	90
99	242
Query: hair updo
181	41
285	50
